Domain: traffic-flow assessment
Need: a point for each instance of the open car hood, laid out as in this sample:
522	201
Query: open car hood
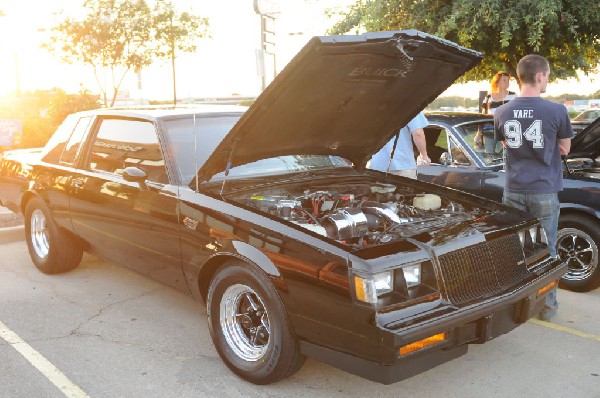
343	95
586	144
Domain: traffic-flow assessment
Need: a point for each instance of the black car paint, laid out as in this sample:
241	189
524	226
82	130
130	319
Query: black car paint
180	234
145	227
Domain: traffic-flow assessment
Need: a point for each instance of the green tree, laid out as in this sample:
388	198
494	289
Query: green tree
174	32
113	38
564	31
42	111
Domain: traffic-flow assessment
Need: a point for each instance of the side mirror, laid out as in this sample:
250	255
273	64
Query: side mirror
135	174
445	159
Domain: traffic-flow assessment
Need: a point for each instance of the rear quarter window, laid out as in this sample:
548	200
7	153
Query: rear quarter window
72	146
56	145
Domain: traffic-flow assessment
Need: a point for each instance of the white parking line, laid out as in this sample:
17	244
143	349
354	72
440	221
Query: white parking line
50	371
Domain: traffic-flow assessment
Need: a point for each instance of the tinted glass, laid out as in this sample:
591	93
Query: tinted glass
480	137
55	146
205	134
121	143
72	146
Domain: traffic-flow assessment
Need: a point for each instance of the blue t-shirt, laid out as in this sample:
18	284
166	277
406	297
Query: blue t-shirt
531	127
404	158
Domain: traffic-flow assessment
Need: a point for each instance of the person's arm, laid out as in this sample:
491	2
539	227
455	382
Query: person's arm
418	137
565	146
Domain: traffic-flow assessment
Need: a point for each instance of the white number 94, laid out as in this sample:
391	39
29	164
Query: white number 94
514	135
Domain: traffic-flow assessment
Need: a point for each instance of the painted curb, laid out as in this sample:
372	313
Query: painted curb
12	234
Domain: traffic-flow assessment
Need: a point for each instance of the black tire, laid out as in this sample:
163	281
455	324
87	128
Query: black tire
249	325
51	250
577	245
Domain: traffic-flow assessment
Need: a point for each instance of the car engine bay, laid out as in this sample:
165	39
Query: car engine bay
583	167
361	215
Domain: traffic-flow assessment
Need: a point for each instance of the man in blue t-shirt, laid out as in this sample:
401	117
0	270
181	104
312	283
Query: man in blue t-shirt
403	163
535	133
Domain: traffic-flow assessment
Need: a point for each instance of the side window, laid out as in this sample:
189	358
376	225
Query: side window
437	143
458	155
68	155
120	143
56	145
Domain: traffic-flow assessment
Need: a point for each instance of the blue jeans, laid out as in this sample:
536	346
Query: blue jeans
546	208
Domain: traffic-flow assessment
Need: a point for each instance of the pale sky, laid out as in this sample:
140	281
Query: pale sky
224	65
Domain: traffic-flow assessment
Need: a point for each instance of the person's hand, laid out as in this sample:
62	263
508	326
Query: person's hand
423	160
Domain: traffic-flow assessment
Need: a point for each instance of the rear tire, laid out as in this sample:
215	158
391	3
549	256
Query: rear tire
51	250
249	325
577	245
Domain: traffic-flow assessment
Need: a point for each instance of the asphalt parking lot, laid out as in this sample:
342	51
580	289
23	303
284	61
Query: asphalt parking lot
104	331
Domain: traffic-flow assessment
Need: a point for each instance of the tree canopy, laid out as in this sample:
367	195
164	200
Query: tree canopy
118	36
566	32
176	32
112	37
42	111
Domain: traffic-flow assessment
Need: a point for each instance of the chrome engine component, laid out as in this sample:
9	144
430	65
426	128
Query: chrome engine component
381	210
345	224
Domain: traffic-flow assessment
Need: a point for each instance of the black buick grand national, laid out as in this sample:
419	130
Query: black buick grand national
269	216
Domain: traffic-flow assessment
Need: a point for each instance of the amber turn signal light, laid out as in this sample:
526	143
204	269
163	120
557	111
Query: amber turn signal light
426	342
546	288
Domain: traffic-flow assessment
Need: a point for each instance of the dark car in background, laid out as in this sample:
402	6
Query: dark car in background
457	162
584	119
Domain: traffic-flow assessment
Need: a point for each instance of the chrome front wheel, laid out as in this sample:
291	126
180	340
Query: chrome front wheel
245	322
249	325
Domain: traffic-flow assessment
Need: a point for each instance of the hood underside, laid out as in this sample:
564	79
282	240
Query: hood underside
586	144
345	96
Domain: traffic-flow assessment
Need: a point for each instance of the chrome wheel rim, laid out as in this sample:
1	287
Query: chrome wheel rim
245	322
579	251
39	233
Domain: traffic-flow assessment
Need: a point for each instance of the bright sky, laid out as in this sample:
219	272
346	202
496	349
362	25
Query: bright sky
224	65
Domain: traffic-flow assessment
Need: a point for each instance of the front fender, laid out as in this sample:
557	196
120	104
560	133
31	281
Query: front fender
230	251
574	207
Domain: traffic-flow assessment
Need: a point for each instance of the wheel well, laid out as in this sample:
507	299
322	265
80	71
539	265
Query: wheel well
208	271
27	196
579	213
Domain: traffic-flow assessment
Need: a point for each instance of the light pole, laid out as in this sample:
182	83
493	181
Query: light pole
268	11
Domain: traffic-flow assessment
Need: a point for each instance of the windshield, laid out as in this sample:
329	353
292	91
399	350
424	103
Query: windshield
192	139
480	138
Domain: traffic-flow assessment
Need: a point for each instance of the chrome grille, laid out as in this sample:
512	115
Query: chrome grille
482	270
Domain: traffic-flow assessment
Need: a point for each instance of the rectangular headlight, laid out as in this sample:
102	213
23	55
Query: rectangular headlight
412	275
368	289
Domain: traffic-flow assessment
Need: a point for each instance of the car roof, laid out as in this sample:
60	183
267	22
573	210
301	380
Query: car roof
156	112
456	118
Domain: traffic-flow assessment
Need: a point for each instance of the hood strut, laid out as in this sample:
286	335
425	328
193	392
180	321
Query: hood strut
387	170
229	162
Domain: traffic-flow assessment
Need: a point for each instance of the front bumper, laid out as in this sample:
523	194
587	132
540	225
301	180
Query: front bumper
475	324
